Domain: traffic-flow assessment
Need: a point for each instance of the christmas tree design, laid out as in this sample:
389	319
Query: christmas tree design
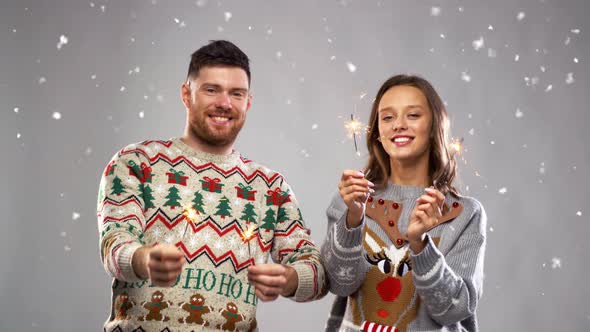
249	215
198	203
173	198
299	213
223	208
148	198
269	220
282	214
118	188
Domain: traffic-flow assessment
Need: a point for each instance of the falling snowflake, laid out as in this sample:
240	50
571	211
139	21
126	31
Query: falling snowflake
63	40
518	114
549	88
63	234
492	229
490	27
93	77
492	53
579	213
555	263
227	16
141	114
42	80
122	88
576	60
442	35
16	109
478	43
351	67
434	11
502	190
56	115
567	40
75	215
576	31
471	131
279	54
520	16
542	168
569	78
201	3
67	248
465	77
314	126
18	135
516	58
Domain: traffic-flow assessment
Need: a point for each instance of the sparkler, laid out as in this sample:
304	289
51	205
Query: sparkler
456	146
354	127
191	215
247	235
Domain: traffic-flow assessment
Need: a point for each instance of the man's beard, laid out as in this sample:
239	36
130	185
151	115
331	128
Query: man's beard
205	134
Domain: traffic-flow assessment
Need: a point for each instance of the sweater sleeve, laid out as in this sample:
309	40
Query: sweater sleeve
293	246
451	285
342	251
120	216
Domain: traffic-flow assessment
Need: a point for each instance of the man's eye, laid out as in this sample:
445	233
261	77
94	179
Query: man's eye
414	116
387	118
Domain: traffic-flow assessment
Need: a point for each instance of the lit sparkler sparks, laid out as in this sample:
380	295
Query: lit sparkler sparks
354	127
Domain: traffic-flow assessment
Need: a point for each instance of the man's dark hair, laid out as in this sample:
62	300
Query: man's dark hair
218	53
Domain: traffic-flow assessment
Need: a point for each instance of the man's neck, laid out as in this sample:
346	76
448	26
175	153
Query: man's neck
198	145
410	173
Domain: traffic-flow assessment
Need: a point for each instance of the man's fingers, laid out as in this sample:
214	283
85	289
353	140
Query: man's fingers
165	266
266	269
268	280
165	252
264	298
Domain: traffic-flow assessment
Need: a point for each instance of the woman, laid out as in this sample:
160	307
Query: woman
404	251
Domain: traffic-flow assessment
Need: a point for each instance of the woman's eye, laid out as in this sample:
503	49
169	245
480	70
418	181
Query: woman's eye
414	116
387	118
384	266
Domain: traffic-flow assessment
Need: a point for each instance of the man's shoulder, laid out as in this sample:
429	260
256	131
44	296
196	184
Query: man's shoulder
256	167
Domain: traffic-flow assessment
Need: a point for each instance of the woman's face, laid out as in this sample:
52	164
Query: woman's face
405	123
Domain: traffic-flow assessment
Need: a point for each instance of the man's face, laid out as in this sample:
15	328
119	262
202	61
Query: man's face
217	101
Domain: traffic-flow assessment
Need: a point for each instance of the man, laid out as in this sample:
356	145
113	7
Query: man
186	225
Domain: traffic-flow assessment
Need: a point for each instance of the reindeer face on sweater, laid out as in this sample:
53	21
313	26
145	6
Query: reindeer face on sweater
388	288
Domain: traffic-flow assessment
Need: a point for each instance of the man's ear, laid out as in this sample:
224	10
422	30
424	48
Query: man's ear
249	102
185	94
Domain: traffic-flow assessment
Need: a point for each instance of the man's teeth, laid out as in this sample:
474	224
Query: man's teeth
401	139
220	118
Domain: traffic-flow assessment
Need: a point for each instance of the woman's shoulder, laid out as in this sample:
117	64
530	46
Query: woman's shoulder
473	210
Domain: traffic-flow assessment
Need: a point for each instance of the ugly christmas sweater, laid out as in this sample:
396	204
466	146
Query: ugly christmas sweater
207	205
382	286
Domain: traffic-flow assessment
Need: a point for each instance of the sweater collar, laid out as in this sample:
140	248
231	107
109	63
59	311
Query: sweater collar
188	151
400	193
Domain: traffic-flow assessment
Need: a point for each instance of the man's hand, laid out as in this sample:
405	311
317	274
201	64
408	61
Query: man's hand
161	264
272	280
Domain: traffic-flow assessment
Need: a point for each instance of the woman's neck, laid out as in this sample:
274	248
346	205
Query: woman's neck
410	173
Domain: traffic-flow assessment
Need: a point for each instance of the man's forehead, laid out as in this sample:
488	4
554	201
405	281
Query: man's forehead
235	77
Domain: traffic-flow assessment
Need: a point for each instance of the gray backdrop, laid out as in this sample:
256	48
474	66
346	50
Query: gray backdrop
513	73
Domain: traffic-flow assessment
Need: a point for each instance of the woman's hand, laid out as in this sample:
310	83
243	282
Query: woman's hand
355	190
424	217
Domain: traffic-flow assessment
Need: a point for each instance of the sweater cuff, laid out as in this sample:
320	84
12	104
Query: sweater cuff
124	261
348	237
427	261
307	283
